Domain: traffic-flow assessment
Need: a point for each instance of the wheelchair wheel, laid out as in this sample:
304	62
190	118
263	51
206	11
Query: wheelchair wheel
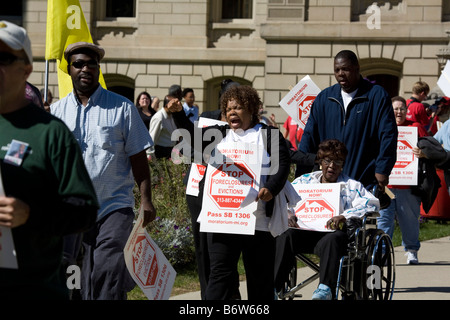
290	284
379	267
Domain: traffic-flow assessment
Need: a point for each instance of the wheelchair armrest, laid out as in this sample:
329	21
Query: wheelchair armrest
370	219
361	221
367	221
372	214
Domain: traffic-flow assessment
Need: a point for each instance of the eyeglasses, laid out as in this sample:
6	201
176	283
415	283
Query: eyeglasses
328	162
80	64
7	58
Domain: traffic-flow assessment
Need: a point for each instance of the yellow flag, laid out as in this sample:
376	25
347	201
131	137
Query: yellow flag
65	25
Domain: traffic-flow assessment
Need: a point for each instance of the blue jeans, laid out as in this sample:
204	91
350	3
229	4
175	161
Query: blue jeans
406	207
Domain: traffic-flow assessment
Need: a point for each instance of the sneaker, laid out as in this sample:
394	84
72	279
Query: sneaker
323	292
411	257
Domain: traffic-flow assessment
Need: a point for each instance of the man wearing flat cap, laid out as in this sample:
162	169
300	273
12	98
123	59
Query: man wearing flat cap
47	190
113	140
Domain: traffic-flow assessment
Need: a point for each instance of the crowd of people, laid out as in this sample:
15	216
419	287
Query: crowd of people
83	154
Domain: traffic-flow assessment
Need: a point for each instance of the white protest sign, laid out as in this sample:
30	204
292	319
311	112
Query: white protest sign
8	257
226	187
250	198
319	203
197	170
196	174
207	122
297	103
405	171
444	80
147	265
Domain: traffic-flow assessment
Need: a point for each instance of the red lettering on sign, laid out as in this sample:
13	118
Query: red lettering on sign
231	196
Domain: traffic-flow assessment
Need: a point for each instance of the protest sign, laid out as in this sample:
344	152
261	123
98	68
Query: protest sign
8	257
444	79
405	171
320	202
297	103
196	174
197	170
147	265
226	187
207	122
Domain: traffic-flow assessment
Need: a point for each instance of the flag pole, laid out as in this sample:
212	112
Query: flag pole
46	81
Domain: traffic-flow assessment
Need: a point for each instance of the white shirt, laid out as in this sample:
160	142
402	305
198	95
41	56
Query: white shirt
161	128
347	97
254	137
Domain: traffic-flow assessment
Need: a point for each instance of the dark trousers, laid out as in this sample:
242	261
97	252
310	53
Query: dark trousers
72	256
200	243
104	275
258	252
329	246
163	152
72	246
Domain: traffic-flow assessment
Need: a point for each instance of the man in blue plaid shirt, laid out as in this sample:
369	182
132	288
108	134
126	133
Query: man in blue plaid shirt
113	140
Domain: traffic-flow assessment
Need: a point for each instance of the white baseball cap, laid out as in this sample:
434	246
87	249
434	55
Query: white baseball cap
16	38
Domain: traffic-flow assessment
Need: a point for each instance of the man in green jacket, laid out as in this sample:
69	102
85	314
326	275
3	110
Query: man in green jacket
47	190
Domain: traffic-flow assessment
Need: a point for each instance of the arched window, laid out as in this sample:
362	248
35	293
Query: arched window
213	87
384	72
120	84
389	82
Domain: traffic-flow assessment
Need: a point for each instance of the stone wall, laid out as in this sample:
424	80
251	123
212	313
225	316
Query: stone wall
186	42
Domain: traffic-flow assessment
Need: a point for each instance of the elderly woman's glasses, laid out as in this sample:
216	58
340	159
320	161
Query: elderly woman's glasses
328	162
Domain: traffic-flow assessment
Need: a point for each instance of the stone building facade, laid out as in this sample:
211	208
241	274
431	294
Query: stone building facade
269	44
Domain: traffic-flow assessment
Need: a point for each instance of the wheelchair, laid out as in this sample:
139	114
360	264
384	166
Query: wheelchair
366	272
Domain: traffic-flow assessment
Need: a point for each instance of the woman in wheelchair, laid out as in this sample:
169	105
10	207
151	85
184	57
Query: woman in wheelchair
355	200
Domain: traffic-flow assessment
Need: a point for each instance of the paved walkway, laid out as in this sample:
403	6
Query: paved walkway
430	280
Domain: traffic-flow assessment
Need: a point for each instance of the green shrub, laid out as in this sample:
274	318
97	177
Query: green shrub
171	230
176	241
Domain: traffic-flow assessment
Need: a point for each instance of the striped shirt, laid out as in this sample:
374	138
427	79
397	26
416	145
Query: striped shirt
109	130
443	135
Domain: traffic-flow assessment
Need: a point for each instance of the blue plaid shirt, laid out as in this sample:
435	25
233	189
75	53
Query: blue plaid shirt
109	130
193	111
